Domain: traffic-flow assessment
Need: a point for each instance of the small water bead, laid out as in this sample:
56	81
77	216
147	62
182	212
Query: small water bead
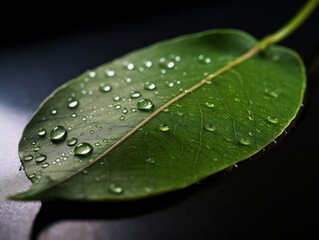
116	98
73	115
58	134
145	105
92	74
271	93
72	141
54	111
127	79
28	157
125	110
128	65
134	110
105	88
204	59
42	132
83	149
40	158
115	189
109	73
32	175
36	149
165	63
45	165
272	119
72	103
244	142
148	64
149	86
84	119
117	107
135	94
150	161
165	110
209	105
164	127
122	118
210	128
169	84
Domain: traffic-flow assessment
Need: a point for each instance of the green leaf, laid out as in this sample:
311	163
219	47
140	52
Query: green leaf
129	129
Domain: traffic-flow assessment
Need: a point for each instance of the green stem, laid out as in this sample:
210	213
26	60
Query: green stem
290	26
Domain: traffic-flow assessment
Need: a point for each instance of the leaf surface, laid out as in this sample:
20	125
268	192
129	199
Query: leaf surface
138	151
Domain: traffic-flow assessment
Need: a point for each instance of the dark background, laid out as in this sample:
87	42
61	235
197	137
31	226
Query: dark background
273	197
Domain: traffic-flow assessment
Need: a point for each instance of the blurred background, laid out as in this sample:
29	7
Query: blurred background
42	46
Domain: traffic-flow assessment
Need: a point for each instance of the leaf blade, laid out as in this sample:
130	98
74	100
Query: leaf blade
226	44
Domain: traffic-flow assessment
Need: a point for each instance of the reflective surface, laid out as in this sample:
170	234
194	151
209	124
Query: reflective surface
273	196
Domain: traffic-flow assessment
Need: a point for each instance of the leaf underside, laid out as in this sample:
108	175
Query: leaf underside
225	121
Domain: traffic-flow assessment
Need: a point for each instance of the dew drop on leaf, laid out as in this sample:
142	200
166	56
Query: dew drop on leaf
72	103
150	161
115	189
83	149
42	132
110	73
28	157
209	105
58	134
40	158
45	165
271	93
72	141
105	88
54	111
244	142
135	94
149	86
36	149
272	119
163	127
145	105
210	128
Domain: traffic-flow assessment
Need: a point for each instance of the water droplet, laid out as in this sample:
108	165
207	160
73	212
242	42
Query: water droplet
150	161
36	149
209	104
104	87
166	63
58	134
204	59
244	142
72	141
145	105
72	103
169	84
271	93
73	115
210	128
83	149
122	118
42	132
149	86
28	157
115	189
163	127
110	73
92	74
45	165
125	110
116	98
117	107
40	158
148	64
135	94
165	110
272	120
128	65
54	111
127	79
